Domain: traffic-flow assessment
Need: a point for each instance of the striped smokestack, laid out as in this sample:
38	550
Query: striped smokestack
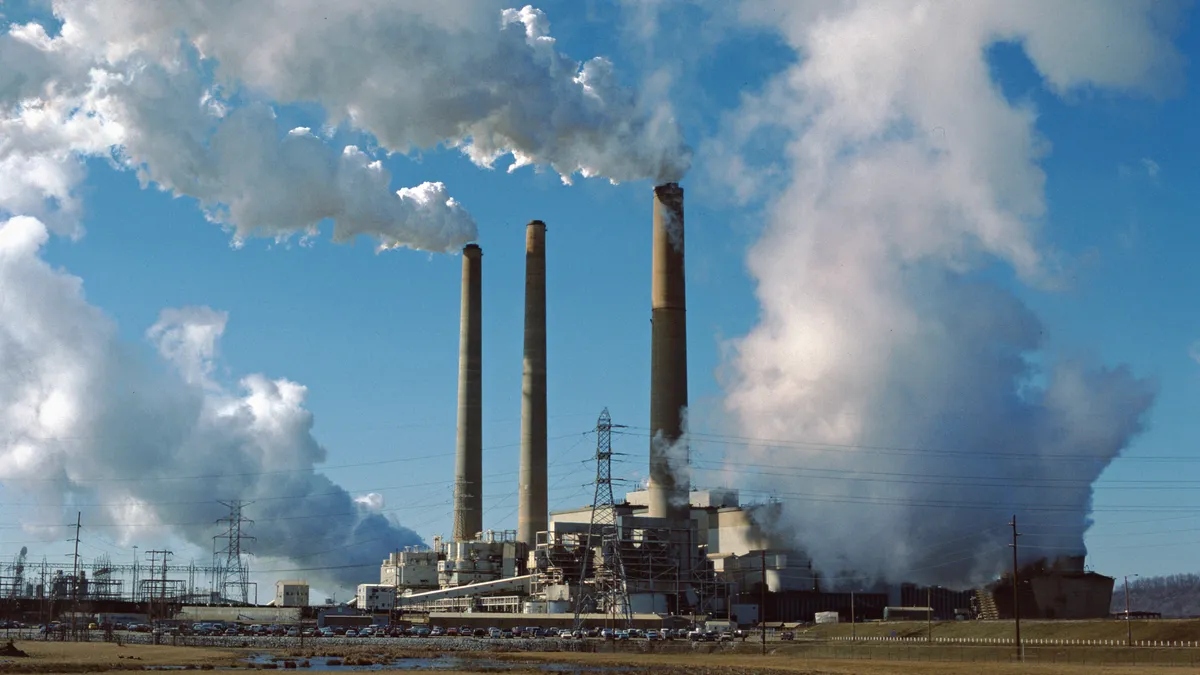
669	481
468	465
532	506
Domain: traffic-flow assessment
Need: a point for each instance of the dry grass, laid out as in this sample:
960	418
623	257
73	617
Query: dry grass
1162	629
50	657
739	664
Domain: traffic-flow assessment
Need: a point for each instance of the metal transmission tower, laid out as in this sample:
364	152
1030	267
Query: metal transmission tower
230	568
609	592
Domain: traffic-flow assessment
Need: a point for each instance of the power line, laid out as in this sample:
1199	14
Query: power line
779	444
900	478
273	472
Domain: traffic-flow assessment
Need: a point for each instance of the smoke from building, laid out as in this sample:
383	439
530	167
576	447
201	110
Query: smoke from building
183	95
118	82
905	394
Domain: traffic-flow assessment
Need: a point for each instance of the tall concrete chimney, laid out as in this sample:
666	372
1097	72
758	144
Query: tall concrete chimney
533	507
669	481
468	464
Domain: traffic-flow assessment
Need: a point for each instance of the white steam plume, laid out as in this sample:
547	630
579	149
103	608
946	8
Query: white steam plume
164	120
461	73
183	93
912	417
84	419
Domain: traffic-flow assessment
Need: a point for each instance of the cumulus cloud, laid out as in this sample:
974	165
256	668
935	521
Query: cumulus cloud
151	446
905	390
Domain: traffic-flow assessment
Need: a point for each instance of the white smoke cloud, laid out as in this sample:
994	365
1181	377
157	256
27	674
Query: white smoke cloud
188	338
185	94
134	81
170	125
677	454
910	383
372	501
461	73
85	419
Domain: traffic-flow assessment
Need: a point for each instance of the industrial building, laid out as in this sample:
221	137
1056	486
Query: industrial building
291	594
375	598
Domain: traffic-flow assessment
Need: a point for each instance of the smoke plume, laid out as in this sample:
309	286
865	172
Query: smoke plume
85	419
188	96
910	396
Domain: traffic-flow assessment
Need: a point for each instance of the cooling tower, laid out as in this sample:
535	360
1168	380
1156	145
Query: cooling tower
468	464
532	506
669	482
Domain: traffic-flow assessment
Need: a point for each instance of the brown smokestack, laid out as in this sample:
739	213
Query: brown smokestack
468	466
668	360
532	506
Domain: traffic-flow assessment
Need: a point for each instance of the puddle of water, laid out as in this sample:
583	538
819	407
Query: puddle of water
337	664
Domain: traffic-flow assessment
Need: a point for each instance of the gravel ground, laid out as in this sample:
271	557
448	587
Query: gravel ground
439	644
427	645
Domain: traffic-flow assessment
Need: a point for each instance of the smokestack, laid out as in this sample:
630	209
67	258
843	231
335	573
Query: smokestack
468	466
533	507
668	360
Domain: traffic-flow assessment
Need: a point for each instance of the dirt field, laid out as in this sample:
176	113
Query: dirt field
745	664
78	657
57	657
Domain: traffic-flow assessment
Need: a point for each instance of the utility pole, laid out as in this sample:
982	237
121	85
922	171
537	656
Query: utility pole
150	604
610	582
233	569
133	591
929	614
75	579
1016	591
762	601
852	635
162	590
1128	625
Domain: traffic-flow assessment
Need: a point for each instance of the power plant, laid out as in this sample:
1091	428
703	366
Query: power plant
663	556
662	552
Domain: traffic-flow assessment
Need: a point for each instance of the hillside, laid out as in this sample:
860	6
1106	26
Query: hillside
1175	596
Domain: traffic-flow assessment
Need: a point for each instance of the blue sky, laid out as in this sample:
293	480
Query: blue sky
374	335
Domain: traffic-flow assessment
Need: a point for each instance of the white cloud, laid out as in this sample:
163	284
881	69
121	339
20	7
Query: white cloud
1151	167
81	414
188	338
372	502
906	171
1194	351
